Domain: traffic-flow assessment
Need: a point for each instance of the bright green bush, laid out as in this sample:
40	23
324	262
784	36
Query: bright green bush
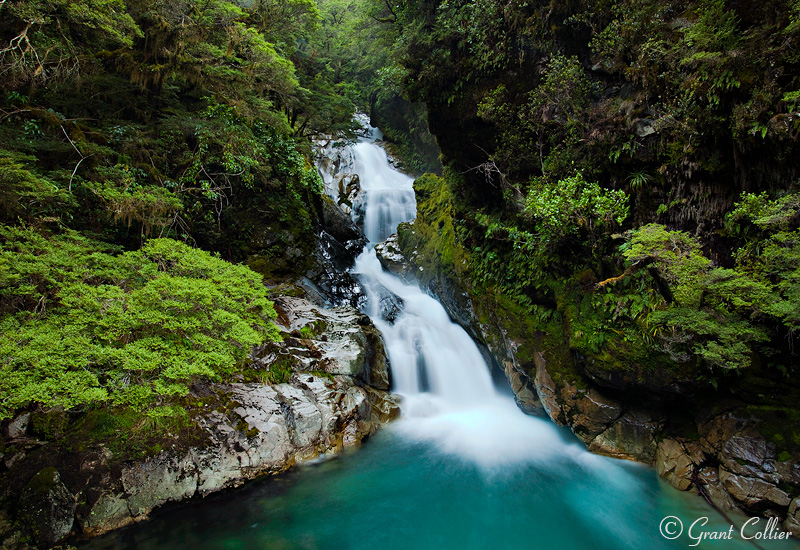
82	326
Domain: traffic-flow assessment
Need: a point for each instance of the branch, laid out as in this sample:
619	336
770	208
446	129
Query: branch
83	157
628	272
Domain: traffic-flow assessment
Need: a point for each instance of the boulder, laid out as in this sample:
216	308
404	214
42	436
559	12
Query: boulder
792	522
392	259
676	461
632	437
18	427
594	414
709	477
337	335
47	508
753	493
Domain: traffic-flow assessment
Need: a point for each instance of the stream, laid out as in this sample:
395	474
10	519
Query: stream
463	468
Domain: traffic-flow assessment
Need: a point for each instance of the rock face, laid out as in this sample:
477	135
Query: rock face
333	393
336	165
392	258
269	429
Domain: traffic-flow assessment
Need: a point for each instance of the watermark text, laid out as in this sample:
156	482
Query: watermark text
672	527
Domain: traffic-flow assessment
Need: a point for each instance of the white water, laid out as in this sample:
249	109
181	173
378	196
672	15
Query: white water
386	194
448	395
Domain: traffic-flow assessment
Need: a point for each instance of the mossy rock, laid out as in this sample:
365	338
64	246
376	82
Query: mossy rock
47	508
49	424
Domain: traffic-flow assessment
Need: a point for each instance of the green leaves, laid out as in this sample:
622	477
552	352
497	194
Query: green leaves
723	315
24	194
564	209
56	38
142	327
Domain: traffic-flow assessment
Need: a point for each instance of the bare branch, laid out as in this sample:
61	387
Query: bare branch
83	157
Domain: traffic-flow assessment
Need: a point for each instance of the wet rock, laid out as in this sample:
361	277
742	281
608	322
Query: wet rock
392	258
595	413
378	372
753	493
339	225
270	429
348	187
385	407
47	508
524	391
335	333
546	389
631	437
712	486
676	461
390	305
157	481
109	511
792	522
338	244
789	470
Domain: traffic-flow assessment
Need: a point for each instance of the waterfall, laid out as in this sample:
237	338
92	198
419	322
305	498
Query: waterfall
387	196
448	395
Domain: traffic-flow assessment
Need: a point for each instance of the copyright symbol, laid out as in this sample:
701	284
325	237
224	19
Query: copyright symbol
671	527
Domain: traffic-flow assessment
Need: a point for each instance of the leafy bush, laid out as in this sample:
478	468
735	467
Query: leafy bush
564	209
722	315
82	327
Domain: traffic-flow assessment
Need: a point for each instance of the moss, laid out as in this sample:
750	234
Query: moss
280	371
314	329
44	481
48	424
780	425
132	434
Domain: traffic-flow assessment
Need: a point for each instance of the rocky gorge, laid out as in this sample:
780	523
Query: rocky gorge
325	387
718	451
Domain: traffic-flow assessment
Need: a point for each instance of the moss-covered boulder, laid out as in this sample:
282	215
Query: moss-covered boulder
47	508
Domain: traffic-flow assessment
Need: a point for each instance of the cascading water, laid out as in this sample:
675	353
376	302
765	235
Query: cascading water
448	394
464	468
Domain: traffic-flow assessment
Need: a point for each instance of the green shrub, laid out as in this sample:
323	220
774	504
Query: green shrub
83	327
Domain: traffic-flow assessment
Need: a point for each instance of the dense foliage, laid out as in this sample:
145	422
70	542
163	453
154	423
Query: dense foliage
623	172
133	135
83	327
353	47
